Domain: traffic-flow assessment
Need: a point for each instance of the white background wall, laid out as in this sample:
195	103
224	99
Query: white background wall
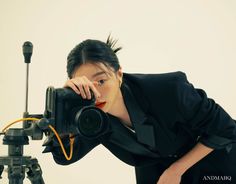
197	37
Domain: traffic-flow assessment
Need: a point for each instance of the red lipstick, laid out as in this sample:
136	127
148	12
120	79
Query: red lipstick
100	104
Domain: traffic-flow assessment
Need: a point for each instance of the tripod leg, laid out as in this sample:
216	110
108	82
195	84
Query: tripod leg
16	174
35	173
1	170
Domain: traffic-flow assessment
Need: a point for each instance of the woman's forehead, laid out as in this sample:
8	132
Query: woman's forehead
92	70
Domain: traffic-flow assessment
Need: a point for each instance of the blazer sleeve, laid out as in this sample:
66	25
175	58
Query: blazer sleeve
215	127
80	148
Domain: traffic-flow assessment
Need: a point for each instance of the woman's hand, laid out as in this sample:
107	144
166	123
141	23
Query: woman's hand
170	176
82	86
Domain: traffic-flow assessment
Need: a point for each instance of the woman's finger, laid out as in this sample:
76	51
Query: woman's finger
87	90
85	83
79	85
70	84
81	89
93	88
82	86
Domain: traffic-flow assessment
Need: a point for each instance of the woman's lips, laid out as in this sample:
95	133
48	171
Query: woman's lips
100	104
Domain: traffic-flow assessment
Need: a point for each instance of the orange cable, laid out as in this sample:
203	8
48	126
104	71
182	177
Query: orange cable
54	131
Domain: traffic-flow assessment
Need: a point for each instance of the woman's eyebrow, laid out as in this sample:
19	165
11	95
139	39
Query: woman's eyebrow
98	73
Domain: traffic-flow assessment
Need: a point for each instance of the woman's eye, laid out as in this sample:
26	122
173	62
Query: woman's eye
101	82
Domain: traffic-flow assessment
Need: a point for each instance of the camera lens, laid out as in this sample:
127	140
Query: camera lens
90	122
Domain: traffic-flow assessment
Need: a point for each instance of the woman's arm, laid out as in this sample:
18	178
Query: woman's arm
201	114
173	174
198	152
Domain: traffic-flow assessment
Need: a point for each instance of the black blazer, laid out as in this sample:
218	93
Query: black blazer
168	115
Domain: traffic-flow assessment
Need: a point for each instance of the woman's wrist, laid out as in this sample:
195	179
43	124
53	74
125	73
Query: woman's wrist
178	168
198	152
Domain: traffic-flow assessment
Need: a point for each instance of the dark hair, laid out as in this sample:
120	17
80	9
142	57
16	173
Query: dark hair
93	51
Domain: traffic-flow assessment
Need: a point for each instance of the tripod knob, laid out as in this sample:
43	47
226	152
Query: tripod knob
15	136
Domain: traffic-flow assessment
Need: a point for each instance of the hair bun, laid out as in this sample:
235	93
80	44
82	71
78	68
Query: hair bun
111	43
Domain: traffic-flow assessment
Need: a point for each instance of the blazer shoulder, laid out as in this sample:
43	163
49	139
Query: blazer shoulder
152	81
156	92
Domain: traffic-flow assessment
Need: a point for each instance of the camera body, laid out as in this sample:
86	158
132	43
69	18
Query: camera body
68	113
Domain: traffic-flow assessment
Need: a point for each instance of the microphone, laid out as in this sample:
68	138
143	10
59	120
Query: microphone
27	51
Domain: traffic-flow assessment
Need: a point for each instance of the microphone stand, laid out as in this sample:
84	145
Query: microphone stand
16	138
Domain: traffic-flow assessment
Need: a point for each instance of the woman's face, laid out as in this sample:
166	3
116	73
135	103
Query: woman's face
107	82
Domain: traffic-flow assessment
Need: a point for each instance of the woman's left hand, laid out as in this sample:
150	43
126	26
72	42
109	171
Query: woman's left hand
170	176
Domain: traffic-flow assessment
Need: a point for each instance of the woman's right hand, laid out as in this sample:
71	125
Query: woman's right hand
82	86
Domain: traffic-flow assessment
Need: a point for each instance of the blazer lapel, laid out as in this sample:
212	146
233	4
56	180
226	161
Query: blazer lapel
126	139
145	132
148	130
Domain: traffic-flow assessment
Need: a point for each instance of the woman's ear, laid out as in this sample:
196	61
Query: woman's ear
120	76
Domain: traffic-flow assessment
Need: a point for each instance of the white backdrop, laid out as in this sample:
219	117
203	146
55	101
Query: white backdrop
197	37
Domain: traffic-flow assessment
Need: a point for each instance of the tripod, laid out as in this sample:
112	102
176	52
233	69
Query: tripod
16	162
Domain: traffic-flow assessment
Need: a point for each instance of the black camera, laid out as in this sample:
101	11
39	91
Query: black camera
68	112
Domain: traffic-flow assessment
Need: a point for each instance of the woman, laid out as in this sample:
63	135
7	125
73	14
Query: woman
171	132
